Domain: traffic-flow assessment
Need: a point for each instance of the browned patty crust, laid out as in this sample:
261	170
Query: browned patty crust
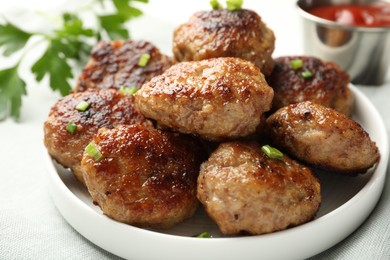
222	33
328	85
108	108
322	137
115	64
216	99
145	177
243	190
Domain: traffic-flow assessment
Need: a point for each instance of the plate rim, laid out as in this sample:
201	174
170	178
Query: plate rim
227	248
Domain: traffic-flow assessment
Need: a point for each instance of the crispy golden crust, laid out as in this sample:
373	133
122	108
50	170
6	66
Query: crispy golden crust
328	86
146	177
108	109
115	64
245	191
223	33
216	99
322	137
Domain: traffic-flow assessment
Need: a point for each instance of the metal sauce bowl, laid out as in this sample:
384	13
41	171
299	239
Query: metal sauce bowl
363	52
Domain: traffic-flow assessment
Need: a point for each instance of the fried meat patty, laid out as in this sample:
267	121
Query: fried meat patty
328	84
108	108
216	99
115	64
222	33
243	190
145	177
322	137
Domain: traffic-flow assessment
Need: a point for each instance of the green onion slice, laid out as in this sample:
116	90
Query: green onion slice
272	152
215	4
204	235
83	105
71	127
127	91
307	74
296	64
93	151
144	59
234	4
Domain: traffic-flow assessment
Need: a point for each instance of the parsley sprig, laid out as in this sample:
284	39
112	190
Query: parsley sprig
66	45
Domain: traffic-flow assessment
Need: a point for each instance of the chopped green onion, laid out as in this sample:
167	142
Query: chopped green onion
215	4
272	152
93	151
144	59
307	74
234	4
71	127
127	91
204	235
83	105
296	64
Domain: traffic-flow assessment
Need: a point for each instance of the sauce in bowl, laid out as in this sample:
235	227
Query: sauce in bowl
376	15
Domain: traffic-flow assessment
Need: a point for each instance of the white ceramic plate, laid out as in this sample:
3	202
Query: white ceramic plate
346	203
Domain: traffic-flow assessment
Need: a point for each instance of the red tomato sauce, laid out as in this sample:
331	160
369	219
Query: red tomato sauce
376	15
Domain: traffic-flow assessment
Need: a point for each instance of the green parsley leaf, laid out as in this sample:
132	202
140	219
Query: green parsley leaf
114	26
12	88
12	38
71	38
54	64
67	45
126	10
73	28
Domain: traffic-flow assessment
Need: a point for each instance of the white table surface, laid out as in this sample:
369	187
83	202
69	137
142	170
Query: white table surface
30	225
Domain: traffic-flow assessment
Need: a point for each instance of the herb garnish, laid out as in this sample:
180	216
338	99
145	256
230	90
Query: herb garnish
67	44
